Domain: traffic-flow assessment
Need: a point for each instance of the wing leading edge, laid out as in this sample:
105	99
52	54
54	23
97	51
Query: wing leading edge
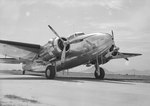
26	46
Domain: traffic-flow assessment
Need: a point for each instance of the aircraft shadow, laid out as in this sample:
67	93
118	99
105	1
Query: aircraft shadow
76	79
106	80
72	78
23	78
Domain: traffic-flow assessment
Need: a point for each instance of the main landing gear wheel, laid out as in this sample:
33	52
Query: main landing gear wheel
23	72
99	74
50	72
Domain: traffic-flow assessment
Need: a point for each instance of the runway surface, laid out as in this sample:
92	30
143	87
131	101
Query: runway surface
31	90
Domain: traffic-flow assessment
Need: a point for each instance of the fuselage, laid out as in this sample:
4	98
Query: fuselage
93	45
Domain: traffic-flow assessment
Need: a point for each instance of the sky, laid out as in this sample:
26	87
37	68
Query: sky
27	20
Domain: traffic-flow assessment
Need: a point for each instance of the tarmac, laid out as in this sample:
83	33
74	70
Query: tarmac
35	90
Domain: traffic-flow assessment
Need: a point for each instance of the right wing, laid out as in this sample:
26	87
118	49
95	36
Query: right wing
125	55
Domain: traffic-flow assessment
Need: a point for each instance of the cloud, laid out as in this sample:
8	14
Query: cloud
110	4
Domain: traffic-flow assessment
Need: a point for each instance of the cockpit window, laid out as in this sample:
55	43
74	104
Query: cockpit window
76	34
79	33
50	41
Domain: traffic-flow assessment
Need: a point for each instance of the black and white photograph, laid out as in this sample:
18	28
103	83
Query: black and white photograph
74	53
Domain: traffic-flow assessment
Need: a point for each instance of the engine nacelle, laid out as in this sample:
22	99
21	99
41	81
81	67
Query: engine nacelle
115	53
113	50
58	46
52	49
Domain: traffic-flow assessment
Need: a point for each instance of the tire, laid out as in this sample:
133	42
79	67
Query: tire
50	72
23	72
102	74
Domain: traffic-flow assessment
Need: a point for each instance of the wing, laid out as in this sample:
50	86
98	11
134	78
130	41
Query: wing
125	55
19	50
9	61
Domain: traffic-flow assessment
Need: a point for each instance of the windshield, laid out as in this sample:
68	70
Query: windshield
76	35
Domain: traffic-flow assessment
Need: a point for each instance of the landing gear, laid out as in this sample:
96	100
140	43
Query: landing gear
99	73
50	72
23	72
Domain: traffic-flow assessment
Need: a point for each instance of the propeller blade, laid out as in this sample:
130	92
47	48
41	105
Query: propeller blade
112	33
63	55
55	33
117	48
65	43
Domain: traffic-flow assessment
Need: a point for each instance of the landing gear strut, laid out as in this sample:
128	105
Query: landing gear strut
50	72
99	72
23	72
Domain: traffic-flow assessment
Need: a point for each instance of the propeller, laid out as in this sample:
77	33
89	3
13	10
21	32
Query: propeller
55	33
65	43
63	55
112	33
116	49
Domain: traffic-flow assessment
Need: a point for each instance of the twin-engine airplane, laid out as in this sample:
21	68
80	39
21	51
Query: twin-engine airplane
64	53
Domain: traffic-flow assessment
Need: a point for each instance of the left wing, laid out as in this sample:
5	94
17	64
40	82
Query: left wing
9	61
19	50
125	55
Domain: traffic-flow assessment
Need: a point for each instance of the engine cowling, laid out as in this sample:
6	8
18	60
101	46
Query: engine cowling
113	51
58	46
